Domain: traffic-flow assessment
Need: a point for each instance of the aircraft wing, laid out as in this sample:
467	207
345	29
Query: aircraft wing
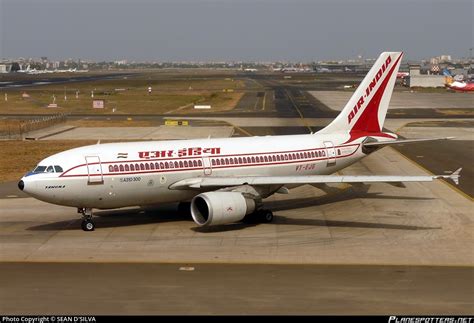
402	141
211	182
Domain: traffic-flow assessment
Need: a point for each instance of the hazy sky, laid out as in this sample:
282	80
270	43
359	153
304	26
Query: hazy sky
234	30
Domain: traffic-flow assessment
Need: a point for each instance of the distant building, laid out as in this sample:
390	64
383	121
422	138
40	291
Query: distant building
416	79
440	59
4	68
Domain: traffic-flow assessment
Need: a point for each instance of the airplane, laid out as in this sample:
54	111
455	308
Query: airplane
70	70
323	70
250	70
225	179
401	75
458	86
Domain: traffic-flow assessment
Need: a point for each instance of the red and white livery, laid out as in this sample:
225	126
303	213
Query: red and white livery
460	86
226	179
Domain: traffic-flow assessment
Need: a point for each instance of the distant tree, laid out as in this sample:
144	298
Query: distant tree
15	67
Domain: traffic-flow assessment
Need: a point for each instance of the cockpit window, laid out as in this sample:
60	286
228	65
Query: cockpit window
39	169
48	169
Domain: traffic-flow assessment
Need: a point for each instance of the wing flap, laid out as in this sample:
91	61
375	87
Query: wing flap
402	141
211	182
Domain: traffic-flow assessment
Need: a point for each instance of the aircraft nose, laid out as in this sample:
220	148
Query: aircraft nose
21	185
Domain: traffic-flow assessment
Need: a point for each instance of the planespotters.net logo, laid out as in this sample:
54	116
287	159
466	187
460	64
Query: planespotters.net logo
430	319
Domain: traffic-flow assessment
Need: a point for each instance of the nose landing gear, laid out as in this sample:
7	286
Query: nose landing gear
87	223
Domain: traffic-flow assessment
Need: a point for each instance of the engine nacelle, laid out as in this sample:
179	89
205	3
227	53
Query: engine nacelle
214	208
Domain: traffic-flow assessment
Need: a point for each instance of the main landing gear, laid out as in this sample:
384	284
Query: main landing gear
261	215
87	223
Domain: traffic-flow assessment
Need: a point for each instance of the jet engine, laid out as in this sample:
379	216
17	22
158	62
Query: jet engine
214	208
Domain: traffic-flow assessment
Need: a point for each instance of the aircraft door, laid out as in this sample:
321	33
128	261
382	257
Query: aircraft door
94	170
330	153
206	164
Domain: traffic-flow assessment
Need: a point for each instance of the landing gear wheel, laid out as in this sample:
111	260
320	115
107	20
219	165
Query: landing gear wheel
87	225
266	216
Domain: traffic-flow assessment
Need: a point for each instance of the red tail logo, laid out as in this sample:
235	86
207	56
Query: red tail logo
369	89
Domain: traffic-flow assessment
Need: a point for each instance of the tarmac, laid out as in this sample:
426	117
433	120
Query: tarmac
363	249
336	100
143	133
206	289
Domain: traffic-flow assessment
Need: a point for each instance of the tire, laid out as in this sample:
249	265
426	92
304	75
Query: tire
87	225
267	216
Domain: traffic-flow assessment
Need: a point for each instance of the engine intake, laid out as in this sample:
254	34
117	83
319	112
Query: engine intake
214	208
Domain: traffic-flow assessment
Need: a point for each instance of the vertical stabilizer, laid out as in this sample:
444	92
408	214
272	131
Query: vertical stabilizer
366	110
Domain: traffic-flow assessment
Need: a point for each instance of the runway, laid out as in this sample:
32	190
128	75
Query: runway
201	289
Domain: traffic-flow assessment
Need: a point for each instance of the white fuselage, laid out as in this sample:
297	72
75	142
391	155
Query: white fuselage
140	173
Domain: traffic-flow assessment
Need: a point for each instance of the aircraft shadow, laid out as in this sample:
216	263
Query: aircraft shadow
336	195
282	220
120	218
169	213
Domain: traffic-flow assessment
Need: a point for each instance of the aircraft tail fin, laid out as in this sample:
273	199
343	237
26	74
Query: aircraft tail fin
366	110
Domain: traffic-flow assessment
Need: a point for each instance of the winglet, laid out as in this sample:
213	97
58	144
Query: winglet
454	176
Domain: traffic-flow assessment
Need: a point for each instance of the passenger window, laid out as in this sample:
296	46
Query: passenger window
50	169
58	169
111	168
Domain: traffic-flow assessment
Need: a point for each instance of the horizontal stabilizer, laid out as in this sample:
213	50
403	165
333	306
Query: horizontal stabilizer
402	141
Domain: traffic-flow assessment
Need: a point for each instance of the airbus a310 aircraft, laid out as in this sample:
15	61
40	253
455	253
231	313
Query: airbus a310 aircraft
225	179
